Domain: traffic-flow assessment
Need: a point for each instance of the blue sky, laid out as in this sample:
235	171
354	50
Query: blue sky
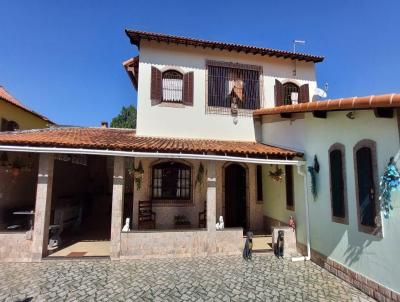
63	58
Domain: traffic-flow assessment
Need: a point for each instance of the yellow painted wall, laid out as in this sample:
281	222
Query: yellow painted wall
24	119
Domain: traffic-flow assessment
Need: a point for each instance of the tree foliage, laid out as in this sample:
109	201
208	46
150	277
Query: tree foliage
125	119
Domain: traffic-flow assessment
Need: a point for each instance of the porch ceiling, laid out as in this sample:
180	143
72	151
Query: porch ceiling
127	140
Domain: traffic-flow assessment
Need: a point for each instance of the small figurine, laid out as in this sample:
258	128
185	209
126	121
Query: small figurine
220	225
248	247
292	222
279	247
126	227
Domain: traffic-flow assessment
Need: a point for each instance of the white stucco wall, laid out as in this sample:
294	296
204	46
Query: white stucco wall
373	256
192	121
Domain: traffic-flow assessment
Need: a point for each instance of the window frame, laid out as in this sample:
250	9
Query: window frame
377	229
339	147
286	84
167	200
227	110
289	187
162	86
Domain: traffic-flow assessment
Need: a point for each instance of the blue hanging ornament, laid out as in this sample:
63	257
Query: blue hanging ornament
390	181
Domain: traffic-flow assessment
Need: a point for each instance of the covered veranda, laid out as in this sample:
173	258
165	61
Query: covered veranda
163	239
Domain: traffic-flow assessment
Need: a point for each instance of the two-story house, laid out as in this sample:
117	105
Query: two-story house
222	130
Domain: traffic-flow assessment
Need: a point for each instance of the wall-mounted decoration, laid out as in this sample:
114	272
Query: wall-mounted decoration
314	170
277	175
200	175
390	181
137	174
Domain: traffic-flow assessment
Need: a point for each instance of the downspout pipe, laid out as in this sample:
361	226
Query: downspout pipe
308	256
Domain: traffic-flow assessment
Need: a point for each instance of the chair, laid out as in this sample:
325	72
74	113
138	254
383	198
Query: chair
147	218
203	217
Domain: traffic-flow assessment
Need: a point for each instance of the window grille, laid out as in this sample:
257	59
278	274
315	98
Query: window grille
172	86
237	84
171	180
288	89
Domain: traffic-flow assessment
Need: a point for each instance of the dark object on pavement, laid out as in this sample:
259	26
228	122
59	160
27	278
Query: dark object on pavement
248	247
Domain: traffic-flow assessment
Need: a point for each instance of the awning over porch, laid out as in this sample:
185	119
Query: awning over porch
127	140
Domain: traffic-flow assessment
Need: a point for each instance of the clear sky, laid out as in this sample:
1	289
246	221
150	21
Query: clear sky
64	58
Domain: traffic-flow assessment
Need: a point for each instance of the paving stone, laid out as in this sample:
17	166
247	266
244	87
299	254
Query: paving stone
217	278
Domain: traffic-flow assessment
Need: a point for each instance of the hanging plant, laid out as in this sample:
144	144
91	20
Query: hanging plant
200	175
316	164
137	174
390	181
277	175
313	175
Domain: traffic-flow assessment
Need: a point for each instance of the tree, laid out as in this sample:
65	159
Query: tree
125	119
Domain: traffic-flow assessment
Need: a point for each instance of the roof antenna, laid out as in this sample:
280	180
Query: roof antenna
294	50
297	42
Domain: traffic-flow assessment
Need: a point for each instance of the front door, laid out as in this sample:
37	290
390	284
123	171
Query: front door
235	196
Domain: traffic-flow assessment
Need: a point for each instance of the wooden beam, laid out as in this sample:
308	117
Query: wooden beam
319	114
286	115
383	112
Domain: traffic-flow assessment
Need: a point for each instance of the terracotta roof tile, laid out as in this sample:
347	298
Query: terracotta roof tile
6	96
127	140
365	102
136	36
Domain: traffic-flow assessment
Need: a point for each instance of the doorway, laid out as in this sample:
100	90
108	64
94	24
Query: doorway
235	196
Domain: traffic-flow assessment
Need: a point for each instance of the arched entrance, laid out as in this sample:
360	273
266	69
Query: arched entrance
235	196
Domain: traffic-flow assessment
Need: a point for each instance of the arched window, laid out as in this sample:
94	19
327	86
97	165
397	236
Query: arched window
290	93
8	125
171	181
365	171
172	86
338	183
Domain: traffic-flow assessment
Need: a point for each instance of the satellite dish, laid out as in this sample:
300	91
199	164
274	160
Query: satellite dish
320	92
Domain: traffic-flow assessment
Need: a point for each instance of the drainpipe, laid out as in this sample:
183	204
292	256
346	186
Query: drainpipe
308	256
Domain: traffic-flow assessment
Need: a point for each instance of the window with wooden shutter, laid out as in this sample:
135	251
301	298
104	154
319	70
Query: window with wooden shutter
304	94
3	125
172	86
337	183
188	89
156	86
289	183
278	93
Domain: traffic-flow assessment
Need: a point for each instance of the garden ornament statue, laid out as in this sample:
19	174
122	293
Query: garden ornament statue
126	227
248	247
220	225
292	222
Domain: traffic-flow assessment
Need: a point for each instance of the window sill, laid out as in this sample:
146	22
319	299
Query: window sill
172	104
172	203
228	111
340	220
374	231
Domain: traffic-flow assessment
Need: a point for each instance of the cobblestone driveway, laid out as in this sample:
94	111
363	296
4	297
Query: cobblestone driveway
227	278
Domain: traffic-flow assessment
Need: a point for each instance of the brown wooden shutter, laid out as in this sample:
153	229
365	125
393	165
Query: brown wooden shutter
278	93
156	86
304	94
188	89
3	125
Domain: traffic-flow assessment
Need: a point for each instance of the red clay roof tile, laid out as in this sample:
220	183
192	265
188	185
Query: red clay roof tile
127	140
366	102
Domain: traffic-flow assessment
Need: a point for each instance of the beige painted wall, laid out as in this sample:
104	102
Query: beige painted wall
192	121
373	256
24	119
165	213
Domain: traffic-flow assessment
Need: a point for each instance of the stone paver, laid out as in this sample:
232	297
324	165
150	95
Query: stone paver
223	278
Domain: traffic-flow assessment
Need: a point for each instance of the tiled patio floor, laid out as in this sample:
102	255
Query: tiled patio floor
227	278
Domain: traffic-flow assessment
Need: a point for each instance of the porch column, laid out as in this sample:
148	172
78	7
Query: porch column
43	206
211	196
117	206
